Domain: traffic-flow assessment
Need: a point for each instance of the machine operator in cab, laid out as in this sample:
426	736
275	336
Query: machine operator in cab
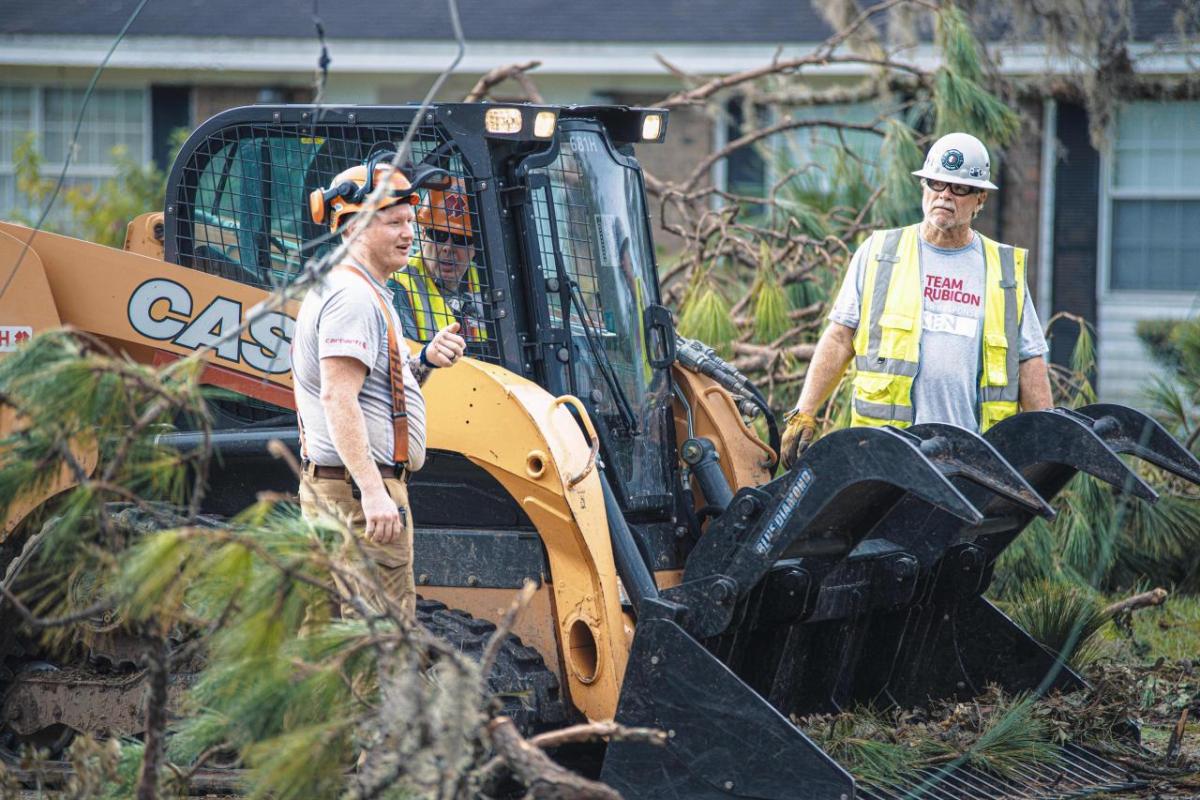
440	284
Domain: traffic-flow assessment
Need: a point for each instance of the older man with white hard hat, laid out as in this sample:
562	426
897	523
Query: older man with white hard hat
936	316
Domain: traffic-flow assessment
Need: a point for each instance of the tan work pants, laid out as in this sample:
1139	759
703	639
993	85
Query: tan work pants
393	563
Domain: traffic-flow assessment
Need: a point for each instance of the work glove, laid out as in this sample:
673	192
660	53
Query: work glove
797	436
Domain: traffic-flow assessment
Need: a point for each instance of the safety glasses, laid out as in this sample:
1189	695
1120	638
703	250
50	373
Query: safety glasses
441	237
956	189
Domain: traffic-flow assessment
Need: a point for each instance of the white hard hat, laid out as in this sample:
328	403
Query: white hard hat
958	158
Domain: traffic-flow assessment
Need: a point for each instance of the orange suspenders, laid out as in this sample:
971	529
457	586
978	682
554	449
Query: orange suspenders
395	367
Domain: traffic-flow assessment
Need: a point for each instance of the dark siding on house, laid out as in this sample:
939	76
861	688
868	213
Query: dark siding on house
1076	204
170	109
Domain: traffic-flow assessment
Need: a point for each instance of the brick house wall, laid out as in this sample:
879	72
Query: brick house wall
1012	215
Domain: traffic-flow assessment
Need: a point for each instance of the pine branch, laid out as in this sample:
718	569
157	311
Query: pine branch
532	767
158	672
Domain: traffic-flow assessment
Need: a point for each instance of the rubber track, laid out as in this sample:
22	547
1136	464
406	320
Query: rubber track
527	689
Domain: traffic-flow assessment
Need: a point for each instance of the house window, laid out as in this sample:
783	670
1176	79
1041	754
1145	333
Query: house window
746	170
815	160
828	159
1154	188
112	118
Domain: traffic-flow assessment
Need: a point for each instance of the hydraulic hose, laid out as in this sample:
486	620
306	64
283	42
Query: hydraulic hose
773	436
631	566
699	357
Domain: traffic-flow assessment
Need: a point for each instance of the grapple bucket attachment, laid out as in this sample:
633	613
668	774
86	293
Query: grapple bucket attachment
774	545
951	642
724	739
857	578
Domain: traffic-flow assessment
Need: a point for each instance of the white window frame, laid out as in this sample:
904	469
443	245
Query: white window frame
1116	307
76	170
1108	196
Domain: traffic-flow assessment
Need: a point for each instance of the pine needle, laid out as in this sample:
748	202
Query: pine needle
1065	618
961	103
706	317
771	304
1014	738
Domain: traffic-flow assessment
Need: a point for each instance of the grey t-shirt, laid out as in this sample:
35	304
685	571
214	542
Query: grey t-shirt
341	318
946	388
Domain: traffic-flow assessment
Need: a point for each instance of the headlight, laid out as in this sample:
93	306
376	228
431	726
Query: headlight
502	120
543	124
651	127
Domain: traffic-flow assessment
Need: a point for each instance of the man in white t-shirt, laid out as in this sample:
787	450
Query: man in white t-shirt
937	317
358	395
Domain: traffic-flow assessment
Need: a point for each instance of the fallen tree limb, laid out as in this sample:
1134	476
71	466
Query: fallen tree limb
760	357
598	730
499	75
1154	597
545	779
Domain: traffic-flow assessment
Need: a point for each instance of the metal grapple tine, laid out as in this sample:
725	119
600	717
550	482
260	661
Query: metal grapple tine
819	511
844	484
1049	447
1128	430
959	452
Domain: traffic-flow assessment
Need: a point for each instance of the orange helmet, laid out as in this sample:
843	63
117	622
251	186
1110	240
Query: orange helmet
448	210
349	190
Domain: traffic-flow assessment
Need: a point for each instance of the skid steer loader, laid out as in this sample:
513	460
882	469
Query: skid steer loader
682	584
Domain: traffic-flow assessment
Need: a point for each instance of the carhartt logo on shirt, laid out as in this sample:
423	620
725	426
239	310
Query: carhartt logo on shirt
356	342
939	288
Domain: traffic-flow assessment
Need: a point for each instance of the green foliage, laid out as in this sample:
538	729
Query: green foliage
1063	616
305	762
864	742
706	316
1102	540
1158	335
900	202
74	392
1175	345
998	734
1171	630
1011	739
771	303
96	213
960	100
82	406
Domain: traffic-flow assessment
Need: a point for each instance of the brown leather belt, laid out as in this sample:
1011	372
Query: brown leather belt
343	474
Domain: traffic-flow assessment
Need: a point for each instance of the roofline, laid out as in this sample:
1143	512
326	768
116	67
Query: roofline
281	56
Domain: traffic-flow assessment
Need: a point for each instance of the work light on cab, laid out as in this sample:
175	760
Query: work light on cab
502	120
652	127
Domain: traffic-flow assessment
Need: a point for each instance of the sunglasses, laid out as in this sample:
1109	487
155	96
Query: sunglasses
956	189
441	237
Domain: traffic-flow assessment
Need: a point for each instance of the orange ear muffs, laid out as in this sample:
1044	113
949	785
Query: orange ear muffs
317	206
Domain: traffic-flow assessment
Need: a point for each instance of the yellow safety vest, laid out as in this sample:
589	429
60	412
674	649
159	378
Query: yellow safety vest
887	343
429	307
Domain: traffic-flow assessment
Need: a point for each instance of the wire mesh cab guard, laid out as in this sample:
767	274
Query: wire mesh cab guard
237	204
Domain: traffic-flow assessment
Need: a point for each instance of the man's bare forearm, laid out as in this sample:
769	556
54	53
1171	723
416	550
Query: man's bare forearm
834	351
348	431
1033	385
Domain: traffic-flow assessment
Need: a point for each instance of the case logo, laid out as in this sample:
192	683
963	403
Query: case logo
162	309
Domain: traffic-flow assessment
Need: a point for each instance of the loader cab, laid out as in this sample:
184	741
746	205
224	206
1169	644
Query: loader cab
594	299
563	282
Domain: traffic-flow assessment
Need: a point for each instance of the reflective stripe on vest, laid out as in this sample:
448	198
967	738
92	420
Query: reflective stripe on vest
888	339
429	307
